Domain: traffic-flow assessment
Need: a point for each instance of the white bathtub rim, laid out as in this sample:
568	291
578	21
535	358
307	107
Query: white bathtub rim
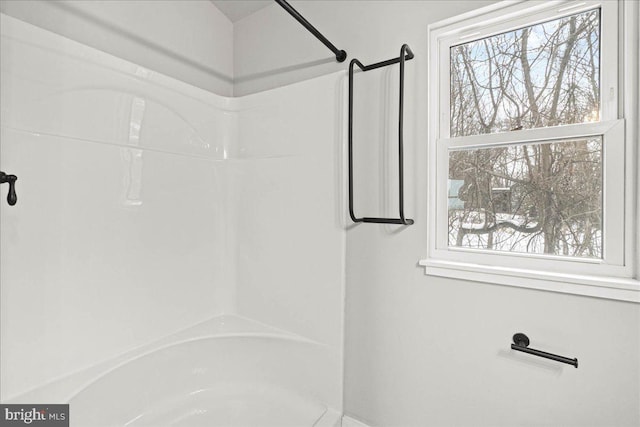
64	393
324	410
331	418
348	421
245	335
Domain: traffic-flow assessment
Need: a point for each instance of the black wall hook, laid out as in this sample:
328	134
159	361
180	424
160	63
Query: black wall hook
12	198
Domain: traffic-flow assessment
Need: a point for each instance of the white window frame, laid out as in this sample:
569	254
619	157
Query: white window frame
615	275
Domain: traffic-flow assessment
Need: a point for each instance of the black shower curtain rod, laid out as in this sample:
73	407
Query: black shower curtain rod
341	55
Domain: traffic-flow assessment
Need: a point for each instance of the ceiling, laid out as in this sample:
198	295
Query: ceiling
238	9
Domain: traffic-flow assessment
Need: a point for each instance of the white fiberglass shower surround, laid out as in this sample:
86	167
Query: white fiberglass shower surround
175	257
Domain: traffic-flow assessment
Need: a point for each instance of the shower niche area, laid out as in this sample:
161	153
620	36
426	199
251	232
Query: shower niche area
175	257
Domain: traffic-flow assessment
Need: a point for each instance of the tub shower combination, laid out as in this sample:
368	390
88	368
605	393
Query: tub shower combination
175	257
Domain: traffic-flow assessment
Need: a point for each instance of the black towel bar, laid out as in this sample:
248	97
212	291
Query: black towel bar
521	343
405	54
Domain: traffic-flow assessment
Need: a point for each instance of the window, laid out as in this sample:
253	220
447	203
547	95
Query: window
529	198
530	172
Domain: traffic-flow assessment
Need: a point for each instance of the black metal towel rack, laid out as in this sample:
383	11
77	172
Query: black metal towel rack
521	343
405	55
341	55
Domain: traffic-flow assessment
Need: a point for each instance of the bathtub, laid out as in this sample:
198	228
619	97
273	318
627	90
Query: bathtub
228	371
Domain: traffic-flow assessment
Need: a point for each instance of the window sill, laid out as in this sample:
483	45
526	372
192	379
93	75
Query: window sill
591	286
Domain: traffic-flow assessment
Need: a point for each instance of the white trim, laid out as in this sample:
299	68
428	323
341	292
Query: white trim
532	136
609	49
484	22
617	280
630	55
592	286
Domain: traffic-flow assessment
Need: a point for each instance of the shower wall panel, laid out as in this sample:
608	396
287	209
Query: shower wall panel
290	210
291	238
188	40
119	235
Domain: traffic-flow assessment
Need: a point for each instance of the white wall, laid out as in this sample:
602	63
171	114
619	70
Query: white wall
189	40
426	351
119	234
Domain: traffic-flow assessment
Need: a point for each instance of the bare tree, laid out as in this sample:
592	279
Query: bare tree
537	197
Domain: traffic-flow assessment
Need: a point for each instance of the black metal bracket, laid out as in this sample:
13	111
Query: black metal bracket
521	343
341	55
405	55
12	198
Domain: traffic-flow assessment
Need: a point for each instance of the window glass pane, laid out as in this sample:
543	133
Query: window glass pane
544	75
533	198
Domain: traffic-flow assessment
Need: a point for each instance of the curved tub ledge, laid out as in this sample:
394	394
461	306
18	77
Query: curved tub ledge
234	405
246	378
224	326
